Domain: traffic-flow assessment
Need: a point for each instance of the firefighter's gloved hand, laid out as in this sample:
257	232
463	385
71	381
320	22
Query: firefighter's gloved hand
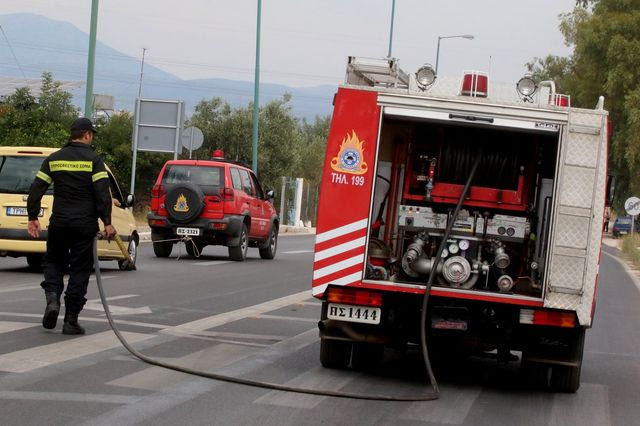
109	232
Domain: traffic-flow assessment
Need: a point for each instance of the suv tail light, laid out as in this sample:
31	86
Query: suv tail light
157	191
353	296
227	194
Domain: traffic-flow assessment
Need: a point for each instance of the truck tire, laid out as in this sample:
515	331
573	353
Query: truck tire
567	378
334	353
239	252
163	249
366	356
271	245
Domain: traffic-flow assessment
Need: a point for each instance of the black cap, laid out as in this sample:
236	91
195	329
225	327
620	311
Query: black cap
83	124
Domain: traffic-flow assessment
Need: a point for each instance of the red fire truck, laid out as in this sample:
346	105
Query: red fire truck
514	267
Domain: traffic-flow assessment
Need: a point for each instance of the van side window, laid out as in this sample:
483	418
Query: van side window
246	182
235	178
115	190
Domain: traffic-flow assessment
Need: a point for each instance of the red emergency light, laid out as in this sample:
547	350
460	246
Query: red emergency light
475	83
218	154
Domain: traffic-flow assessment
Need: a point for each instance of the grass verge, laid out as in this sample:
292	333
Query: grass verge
631	248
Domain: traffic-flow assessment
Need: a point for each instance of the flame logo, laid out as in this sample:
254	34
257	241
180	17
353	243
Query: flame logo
181	204
350	158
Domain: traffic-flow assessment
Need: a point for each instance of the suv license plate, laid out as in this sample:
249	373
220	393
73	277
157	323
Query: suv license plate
187	231
354	313
21	211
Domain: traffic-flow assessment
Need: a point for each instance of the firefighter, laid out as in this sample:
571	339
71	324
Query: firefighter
80	196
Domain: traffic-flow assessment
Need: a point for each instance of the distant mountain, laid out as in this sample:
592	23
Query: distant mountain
43	44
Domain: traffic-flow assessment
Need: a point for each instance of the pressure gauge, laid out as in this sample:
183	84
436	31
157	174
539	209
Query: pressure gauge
453	248
463	244
445	253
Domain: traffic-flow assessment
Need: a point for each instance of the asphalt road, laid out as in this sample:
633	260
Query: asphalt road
257	320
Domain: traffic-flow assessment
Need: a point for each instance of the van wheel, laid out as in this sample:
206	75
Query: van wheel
163	249
35	261
125	264
239	252
269	251
334	353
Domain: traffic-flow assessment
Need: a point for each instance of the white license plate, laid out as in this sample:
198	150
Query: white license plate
354	313
21	211
187	231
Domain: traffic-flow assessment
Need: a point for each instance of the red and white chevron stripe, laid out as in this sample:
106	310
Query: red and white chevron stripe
339	256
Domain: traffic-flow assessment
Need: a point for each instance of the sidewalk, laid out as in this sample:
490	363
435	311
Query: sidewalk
285	231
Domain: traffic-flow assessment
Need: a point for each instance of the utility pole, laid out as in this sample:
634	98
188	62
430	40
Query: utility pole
256	94
88	101
393	12
144	49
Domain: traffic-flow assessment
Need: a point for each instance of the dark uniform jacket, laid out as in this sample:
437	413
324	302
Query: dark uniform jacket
80	187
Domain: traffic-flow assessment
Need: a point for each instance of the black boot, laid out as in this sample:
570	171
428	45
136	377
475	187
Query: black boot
52	310
71	325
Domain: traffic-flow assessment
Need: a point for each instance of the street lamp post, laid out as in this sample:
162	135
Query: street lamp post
467	36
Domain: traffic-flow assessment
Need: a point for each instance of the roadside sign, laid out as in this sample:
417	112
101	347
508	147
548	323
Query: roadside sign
632	206
192	138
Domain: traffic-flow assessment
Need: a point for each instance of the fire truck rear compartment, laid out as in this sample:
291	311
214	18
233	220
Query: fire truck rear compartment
499	240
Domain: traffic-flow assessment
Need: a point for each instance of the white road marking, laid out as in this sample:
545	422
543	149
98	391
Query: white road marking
285	318
452	408
154	378
318	378
68	397
96	305
90	319
9	326
65	350
224	334
589	406
296	251
212	263
28	286
226	317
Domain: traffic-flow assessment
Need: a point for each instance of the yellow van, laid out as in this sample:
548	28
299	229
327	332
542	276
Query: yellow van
18	168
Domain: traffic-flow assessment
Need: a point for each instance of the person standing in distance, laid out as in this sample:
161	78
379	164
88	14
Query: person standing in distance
80	197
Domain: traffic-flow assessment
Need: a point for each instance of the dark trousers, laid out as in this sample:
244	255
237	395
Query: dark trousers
69	249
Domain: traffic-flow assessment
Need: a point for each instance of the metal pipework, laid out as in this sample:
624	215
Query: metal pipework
502	259
505	283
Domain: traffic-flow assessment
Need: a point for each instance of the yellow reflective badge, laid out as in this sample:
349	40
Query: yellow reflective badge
181	204
70	166
350	158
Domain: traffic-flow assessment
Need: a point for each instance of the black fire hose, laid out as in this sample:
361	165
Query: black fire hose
225	378
432	274
285	388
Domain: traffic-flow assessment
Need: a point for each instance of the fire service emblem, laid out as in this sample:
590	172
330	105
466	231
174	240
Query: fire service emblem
350	156
181	204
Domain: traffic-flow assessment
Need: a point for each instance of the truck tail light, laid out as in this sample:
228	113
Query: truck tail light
157	222
218	226
227	194
157	191
353	296
552	318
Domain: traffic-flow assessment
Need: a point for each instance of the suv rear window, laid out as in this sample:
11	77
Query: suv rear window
18	172
197	175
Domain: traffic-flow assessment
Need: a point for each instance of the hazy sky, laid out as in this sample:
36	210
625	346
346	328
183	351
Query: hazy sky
306	42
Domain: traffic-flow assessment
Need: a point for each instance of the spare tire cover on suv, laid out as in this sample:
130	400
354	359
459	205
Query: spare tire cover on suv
184	202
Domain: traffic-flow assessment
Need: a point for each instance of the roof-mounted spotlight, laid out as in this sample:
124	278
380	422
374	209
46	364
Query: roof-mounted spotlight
526	87
425	76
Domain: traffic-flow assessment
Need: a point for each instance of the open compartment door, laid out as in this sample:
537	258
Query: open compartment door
345	192
577	216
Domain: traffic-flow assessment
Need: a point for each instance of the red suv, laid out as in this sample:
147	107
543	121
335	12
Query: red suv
215	202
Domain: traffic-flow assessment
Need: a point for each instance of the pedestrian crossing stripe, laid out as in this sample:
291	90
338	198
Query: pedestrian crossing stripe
99	175
70	166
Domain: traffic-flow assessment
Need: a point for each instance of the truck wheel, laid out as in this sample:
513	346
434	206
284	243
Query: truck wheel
269	251
163	249
366	356
239	252
35	261
334	353
567	378
125	264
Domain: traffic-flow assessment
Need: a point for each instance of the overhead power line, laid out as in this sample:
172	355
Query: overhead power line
12	52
